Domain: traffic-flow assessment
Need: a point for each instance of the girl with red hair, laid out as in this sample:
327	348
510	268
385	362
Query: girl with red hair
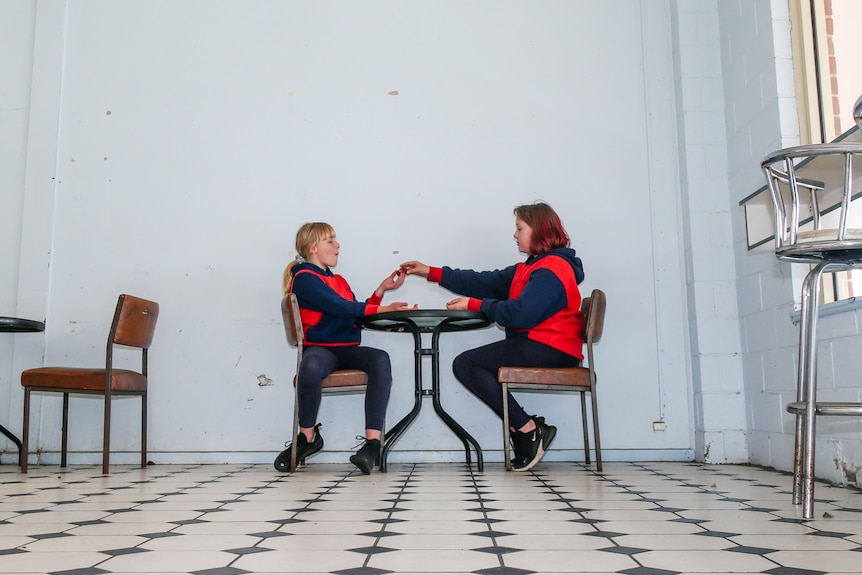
538	302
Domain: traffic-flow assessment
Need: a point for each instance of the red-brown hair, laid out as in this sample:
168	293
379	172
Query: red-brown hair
548	230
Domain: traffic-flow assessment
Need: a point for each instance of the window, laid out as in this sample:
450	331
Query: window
827	53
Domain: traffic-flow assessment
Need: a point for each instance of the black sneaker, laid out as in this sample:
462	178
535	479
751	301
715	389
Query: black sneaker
367	456
303	449
530	447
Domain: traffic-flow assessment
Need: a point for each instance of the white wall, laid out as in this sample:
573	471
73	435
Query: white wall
717	382
760	92
196	136
15	67
32	32
761	117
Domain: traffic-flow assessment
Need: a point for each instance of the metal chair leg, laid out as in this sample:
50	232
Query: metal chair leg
506	434
25	435
294	431
64	441
585	428
597	440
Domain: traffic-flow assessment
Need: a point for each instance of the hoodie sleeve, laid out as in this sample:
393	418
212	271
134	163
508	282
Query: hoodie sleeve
491	284
543	296
315	295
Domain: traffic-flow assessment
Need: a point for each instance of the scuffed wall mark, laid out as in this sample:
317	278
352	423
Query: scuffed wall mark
108	113
239	359
393	93
263	380
706	452
849	470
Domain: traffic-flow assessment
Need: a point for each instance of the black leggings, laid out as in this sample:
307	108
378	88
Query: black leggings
477	370
318	362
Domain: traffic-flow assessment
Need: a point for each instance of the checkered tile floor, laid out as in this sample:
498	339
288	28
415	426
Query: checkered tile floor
635	518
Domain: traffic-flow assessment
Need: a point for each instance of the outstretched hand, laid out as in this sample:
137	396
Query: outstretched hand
397	306
415	268
459	303
392	281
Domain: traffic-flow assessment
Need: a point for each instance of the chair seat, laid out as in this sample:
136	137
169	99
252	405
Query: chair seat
343	378
562	376
815	248
346	378
82	379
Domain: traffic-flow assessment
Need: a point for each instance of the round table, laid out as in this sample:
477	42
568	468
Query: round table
435	322
18	325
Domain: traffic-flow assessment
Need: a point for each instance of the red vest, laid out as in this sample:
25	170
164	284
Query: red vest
311	318
564	329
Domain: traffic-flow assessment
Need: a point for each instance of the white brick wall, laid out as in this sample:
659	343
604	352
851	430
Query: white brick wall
717	370
761	117
749	33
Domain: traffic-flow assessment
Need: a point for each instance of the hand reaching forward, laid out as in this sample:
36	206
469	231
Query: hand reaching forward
459	303
415	268
396	306
392	281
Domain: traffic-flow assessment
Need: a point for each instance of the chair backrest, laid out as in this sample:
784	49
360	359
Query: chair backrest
292	320
799	203
134	322
593	308
133	326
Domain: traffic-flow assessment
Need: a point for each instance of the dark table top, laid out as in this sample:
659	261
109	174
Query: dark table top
426	320
18	325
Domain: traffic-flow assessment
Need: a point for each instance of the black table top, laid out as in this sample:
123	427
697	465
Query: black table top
426	320
19	325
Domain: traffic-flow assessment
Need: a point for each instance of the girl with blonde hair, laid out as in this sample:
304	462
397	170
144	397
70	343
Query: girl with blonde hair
332	333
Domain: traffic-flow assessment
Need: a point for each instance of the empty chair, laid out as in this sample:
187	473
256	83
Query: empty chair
813	225
133	326
572	379
339	381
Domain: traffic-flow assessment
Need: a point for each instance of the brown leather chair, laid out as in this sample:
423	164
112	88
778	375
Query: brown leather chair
339	381
576	379
133	326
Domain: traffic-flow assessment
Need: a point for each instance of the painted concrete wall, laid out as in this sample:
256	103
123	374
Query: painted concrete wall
195	137
188	144
14	106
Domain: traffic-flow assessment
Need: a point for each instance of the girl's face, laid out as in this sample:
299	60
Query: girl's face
324	254
523	236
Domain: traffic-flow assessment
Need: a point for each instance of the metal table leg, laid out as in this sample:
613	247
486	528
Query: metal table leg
459	431
14	440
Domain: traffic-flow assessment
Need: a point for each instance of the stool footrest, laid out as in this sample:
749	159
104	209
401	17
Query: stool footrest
827	408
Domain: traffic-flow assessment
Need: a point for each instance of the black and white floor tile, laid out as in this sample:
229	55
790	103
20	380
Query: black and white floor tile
634	518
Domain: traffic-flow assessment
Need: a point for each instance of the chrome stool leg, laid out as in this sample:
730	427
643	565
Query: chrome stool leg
808	383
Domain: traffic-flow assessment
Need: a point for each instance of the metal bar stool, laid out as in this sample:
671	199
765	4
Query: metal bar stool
805	238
